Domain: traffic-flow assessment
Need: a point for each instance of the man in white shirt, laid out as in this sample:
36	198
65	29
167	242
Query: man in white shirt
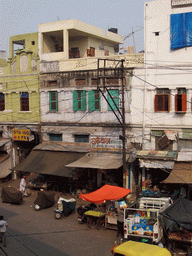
23	186
3	229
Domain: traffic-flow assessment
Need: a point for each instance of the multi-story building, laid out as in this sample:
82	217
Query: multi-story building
73	109
19	96
162	91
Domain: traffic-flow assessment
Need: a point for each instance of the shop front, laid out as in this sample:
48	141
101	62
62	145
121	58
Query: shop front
49	159
23	141
180	178
103	167
155	166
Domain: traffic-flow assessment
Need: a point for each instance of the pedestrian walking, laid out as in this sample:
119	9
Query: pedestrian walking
120	220
3	229
23	185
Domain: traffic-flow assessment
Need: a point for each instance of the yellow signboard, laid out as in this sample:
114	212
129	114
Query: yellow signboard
21	134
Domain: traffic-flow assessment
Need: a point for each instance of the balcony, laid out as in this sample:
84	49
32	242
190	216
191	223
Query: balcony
90	63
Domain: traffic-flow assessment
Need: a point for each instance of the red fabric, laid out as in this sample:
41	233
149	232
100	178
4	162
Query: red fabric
107	192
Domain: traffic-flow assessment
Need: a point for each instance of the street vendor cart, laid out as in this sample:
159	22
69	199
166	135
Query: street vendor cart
95	218
107	194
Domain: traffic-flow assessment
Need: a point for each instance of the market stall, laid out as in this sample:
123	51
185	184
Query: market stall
109	195
177	222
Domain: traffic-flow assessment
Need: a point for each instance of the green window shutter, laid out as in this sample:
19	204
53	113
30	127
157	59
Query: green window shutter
115	96
56	100
75	101
53	101
83	100
91	100
97	100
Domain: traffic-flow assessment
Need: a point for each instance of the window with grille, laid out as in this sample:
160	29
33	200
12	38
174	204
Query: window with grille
79	100
162	100
55	137
53	101
181	100
2	102
94	100
81	138
24	100
113	99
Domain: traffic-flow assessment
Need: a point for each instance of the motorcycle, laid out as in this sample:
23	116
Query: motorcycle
82	218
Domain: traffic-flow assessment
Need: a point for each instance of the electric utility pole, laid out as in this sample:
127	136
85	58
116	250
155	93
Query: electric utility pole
114	69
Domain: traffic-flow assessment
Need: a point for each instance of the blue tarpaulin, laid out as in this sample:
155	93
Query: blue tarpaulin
181	30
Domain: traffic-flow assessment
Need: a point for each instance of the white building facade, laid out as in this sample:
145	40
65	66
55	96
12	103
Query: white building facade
73	110
161	112
162	91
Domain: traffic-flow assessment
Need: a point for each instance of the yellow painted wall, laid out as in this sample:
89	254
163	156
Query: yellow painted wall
17	82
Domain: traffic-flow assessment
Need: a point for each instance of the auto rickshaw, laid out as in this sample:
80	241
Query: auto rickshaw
132	248
64	207
45	199
11	195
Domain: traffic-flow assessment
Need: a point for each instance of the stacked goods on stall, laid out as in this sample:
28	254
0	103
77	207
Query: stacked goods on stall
141	221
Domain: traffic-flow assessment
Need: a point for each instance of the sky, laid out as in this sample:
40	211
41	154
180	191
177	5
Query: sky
23	16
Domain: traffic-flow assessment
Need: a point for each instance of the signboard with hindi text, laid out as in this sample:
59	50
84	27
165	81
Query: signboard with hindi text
179	3
21	134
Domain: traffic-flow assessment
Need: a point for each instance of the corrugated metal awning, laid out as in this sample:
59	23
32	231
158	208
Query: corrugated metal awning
101	160
154	154
181	173
49	162
156	164
4	141
5	165
185	155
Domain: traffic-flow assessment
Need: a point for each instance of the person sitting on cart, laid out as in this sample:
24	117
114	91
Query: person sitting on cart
3	229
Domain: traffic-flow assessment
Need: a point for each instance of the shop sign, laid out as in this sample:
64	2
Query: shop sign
186	134
156	133
177	3
99	140
21	134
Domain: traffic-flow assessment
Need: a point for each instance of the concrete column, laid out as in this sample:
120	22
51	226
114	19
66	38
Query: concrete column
66	44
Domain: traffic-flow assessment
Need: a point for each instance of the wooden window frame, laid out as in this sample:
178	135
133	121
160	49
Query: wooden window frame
181	103
94	100
24	101
91	52
53	102
79	100
163	97
113	93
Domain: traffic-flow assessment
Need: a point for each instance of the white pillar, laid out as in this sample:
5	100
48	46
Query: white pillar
66	44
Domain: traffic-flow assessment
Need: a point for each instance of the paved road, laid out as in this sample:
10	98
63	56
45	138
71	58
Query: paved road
33	232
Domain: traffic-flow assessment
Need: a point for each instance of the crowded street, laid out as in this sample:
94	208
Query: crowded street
33	232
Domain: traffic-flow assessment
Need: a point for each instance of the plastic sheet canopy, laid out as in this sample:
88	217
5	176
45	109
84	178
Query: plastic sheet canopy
105	193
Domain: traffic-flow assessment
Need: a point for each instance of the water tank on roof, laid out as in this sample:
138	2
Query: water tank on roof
113	30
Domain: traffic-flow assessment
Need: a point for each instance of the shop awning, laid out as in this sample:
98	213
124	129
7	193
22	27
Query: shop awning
4	141
101	160
107	192
156	164
5	165
49	162
181	173
157	155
